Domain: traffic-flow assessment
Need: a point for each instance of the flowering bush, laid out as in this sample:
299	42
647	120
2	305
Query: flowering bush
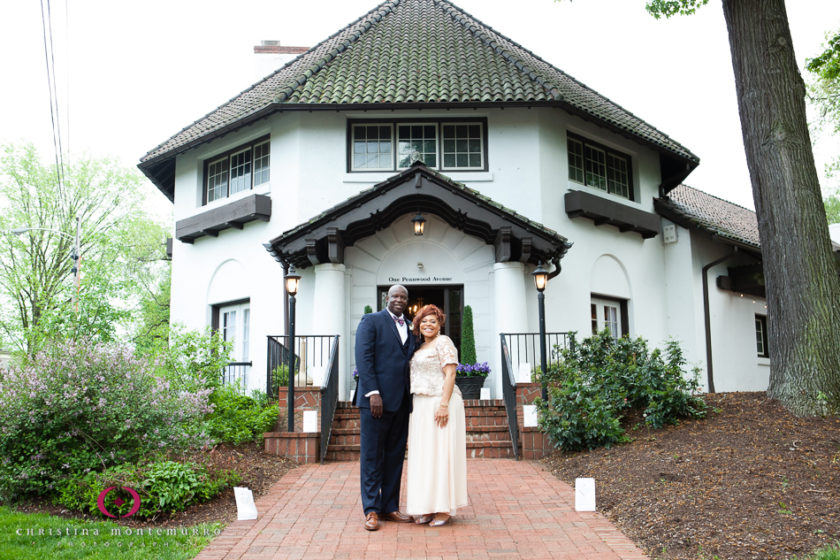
84	407
472	370
355	373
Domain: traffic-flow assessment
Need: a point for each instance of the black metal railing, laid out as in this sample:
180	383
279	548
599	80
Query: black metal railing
329	398
509	396
524	350
236	372
311	359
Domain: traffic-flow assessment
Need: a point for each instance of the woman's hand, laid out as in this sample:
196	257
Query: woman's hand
442	415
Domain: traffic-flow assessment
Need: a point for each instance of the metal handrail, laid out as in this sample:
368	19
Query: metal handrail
329	399
525	348
509	396
310	352
235	370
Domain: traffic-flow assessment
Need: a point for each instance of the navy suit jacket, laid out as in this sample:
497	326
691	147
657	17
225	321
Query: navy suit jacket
382	360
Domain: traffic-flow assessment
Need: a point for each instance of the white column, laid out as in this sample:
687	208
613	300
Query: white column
510	293
329	310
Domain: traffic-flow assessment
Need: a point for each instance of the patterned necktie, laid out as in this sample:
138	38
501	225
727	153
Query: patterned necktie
399	320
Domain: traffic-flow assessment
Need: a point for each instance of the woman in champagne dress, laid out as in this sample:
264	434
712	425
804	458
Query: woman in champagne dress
436	479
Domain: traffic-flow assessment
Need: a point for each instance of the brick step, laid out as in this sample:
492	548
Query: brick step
488	434
468	403
475	449
490	449
337	440
485	411
334	456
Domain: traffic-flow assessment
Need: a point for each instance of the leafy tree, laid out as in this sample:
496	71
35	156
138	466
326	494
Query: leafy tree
832	208
802	283
824	89
119	245
153	323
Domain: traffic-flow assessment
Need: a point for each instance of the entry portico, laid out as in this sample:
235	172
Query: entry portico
367	242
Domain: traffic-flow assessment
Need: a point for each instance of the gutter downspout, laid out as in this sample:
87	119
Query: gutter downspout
706	315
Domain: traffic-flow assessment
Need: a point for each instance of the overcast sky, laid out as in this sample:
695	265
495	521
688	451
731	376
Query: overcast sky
131	74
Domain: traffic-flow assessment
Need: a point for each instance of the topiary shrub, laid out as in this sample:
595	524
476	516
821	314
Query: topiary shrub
598	381
84	407
467	337
368	309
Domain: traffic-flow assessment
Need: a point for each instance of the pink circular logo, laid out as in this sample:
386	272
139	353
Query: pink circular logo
100	502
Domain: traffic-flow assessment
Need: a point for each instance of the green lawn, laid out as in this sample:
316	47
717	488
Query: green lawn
40	537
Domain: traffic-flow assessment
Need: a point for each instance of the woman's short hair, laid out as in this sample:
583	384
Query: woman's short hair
424	311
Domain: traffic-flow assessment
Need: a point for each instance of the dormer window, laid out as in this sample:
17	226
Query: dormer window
240	169
457	145
598	166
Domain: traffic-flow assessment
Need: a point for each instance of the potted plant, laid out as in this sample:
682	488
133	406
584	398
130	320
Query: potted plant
470	378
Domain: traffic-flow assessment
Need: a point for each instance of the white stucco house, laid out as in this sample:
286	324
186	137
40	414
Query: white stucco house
418	108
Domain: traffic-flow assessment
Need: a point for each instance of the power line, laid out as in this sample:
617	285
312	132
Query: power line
49	56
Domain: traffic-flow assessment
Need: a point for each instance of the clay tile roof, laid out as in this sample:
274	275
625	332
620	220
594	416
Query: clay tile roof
413	52
699	210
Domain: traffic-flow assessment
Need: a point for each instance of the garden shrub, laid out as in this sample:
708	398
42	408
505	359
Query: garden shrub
163	486
601	379
82	407
191	360
237	418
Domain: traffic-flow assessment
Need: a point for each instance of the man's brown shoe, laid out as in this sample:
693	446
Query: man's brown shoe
372	521
397	516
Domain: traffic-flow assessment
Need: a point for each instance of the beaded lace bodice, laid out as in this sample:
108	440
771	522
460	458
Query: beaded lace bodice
427	366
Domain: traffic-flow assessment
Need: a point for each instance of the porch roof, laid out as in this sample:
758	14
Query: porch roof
418	188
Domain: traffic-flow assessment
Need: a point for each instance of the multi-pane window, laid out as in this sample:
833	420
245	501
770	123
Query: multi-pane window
416	142
607	314
235	329
761	336
372	147
238	170
462	146
600	167
390	146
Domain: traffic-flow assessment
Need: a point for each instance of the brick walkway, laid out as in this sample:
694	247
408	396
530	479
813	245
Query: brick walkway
518	510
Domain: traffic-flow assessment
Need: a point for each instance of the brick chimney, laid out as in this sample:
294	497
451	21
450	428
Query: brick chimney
274	47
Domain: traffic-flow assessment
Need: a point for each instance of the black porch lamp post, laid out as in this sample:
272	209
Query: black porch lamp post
292	281
419	223
540	281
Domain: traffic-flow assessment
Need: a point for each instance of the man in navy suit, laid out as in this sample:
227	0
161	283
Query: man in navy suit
384	345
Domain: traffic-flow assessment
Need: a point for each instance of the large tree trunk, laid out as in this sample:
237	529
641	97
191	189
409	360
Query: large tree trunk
801	278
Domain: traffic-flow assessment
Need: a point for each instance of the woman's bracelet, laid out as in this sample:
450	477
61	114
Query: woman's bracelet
444	405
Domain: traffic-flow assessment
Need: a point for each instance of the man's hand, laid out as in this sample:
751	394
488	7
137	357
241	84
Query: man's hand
376	405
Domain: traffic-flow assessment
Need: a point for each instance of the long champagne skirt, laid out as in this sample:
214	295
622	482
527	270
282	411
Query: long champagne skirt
436	477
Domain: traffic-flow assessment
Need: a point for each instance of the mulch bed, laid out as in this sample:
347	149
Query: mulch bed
751	481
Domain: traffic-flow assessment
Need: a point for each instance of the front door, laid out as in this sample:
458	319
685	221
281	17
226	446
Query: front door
449	298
